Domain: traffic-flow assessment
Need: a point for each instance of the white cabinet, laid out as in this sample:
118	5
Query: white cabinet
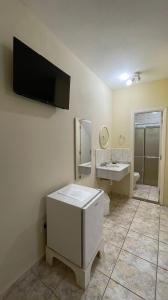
74	223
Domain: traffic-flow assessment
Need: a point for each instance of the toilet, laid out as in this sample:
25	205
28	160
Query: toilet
136	178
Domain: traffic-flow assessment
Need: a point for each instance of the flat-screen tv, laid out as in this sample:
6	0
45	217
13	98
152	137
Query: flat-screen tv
36	78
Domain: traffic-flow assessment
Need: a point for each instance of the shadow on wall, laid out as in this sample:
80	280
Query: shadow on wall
16	261
11	102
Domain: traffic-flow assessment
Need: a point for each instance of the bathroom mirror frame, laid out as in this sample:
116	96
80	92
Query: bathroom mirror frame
82	159
104	137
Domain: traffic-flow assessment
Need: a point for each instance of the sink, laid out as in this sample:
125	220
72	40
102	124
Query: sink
112	171
85	168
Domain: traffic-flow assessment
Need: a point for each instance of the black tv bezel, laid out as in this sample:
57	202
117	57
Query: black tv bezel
29	96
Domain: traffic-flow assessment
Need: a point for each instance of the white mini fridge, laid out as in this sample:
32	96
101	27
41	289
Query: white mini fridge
75	222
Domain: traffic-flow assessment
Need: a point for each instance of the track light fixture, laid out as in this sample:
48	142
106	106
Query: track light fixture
130	79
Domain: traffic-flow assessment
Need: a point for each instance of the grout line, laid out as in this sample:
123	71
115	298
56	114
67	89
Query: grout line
166	243
157	256
140	233
139	257
38	277
128	289
118	256
120	252
146	235
105	289
146	200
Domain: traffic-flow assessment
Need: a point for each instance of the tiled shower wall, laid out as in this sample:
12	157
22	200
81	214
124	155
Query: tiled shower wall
121	154
102	156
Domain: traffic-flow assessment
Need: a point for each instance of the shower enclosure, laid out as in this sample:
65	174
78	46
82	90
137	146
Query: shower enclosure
146	153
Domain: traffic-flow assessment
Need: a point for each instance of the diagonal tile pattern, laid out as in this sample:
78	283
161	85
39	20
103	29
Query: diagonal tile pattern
146	192
142	246
135	274
134	265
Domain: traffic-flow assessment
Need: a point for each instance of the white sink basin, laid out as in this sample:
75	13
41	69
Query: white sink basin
115	172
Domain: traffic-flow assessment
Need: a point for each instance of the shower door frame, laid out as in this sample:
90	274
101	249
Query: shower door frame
162	145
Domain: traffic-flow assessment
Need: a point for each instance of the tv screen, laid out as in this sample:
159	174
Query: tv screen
36	78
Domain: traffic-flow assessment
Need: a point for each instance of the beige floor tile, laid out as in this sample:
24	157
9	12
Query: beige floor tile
50	276
154	188
127	204
147	213
150	206
154	196
107	262
133	202
30	288
162	285
143	187
68	290
123	220
136	274
127	209
141	194
164	217
115	291
114	233
141	246
163	225
148	227
117	204
164	210
147	192
163	236
163	255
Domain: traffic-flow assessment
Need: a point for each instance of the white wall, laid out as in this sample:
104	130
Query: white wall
36	140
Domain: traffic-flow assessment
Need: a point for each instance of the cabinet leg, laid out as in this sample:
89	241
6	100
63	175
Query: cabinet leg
83	277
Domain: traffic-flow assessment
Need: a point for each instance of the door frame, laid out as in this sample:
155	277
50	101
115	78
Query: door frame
162	146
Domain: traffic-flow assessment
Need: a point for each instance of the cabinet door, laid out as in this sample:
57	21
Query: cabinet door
93	216
64	230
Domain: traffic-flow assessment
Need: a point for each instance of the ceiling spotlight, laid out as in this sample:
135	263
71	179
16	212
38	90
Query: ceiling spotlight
124	76
129	82
136	77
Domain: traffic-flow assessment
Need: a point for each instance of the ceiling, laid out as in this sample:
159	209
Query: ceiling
111	36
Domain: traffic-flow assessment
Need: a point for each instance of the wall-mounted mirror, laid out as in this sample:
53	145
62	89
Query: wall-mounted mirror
104	137
83	130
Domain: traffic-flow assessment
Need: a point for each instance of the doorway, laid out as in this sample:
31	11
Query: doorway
148	148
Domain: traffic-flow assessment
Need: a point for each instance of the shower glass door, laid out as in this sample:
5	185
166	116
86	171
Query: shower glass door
146	155
151	164
139	152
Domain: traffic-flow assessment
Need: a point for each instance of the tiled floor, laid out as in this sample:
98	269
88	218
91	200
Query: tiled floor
134	265
146	192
